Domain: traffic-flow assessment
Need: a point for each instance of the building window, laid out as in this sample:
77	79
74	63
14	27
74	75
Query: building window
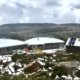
72	41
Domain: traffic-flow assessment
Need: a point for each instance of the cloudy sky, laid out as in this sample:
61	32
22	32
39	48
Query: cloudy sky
39	11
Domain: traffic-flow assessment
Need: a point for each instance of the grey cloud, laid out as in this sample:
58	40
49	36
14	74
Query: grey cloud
53	2
10	14
10	11
67	18
77	6
39	11
36	15
20	5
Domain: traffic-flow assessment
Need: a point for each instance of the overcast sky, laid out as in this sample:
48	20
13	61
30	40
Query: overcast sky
39	11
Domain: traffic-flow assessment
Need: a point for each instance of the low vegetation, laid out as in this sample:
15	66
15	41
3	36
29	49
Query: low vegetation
26	31
48	59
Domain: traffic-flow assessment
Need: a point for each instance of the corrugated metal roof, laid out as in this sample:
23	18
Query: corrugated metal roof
10	42
76	42
42	40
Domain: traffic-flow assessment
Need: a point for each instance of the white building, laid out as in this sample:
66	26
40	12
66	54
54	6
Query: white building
7	45
73	45
46	44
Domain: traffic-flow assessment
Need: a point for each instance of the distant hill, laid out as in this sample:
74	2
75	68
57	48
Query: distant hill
28	30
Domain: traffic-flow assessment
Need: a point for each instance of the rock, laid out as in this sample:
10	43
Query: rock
32	67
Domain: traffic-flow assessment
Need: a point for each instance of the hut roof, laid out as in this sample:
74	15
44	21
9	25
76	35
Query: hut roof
42	40
10	42
73	42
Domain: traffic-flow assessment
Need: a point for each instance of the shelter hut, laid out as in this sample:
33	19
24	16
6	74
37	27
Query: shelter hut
45	44
8	45
73	45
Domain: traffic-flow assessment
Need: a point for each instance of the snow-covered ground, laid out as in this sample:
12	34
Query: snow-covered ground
9	68
5	58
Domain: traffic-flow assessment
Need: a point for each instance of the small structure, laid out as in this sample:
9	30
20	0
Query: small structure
45	44
73	45
8	45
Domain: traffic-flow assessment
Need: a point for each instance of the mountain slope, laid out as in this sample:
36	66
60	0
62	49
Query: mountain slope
25	31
